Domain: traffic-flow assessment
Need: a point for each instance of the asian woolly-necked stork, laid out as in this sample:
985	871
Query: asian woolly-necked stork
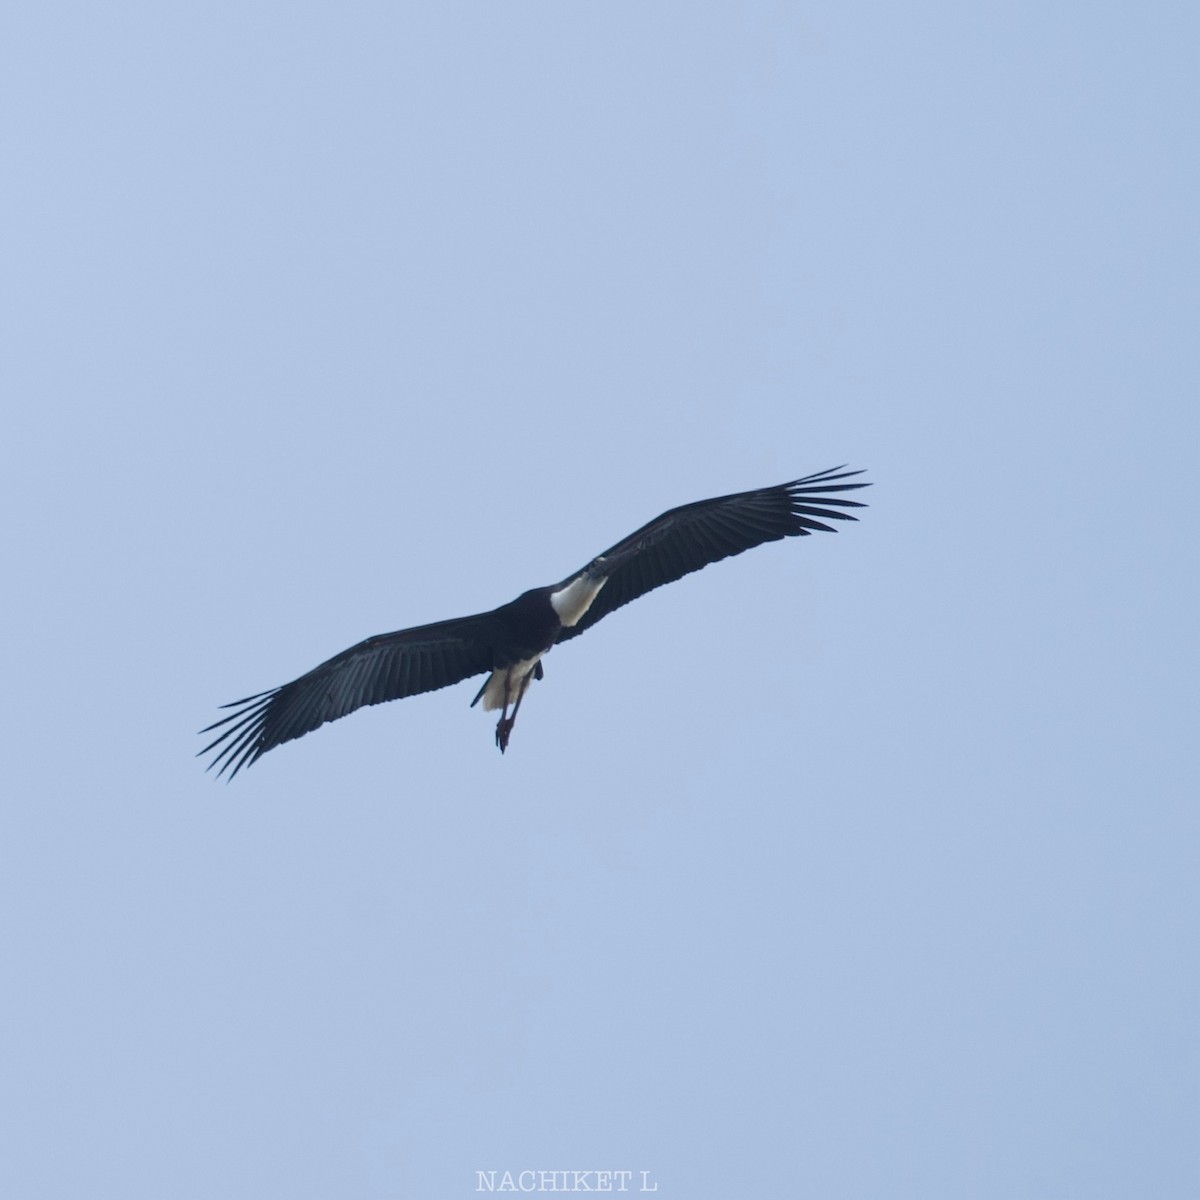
509	641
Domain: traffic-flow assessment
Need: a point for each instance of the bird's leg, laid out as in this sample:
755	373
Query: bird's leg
505	725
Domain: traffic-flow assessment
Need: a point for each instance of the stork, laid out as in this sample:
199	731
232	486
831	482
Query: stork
509	642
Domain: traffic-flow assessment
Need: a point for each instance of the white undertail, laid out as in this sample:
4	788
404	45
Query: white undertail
508	679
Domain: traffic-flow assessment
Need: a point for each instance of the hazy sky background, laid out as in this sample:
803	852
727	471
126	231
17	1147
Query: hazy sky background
859	866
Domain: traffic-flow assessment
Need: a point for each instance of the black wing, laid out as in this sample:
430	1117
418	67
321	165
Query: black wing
387	667
694	535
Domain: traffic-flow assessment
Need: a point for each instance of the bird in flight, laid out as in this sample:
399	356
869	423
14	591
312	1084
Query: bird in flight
508	643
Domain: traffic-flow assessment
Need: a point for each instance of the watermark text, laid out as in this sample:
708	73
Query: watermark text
565	1181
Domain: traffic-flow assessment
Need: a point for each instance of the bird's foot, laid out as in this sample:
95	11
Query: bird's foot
503	732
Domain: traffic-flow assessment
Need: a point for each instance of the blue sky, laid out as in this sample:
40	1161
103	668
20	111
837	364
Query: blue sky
858	866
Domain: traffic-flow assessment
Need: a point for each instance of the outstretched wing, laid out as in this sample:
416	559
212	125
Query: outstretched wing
387	667
694	535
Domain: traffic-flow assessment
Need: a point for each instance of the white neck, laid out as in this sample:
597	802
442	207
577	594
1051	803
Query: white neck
572	601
